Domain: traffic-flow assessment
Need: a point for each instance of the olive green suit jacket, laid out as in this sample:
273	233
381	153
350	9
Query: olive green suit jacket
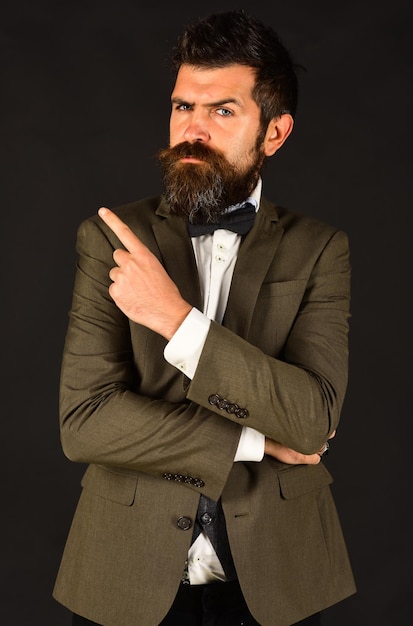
153	441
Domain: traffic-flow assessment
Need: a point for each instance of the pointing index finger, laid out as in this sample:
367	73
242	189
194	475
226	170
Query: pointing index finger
121	230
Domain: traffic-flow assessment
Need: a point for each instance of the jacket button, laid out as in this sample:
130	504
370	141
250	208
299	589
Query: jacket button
184	523
214	399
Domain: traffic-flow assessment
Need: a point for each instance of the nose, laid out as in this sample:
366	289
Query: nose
197	130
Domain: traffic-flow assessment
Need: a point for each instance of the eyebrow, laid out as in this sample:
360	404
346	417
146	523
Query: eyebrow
177	100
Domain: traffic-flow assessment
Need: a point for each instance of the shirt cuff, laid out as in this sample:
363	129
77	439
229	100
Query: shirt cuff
184	348
250	445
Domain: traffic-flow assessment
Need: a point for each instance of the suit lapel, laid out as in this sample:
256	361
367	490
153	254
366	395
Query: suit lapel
178	256
254	258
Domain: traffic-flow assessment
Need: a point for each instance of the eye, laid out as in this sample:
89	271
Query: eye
183	107
224	112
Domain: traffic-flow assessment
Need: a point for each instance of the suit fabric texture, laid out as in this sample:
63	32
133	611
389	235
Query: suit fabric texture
154	441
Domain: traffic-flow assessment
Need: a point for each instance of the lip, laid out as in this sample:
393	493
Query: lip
190	159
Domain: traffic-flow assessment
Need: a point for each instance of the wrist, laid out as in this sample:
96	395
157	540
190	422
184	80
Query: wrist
170	328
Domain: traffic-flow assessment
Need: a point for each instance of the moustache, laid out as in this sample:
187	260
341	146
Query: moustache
196	150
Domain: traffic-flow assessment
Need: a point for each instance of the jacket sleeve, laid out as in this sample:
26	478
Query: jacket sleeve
108	413
296	396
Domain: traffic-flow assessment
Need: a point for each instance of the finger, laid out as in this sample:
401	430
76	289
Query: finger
120	256
121	230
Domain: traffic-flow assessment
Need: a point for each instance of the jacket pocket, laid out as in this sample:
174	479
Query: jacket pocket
299	480
111	484
283	288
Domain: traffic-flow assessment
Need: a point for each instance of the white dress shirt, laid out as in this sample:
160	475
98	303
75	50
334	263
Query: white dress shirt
215	255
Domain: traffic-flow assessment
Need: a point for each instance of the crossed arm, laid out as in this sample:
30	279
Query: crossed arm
143	291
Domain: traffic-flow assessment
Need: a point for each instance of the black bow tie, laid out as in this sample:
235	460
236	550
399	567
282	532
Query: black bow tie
239	221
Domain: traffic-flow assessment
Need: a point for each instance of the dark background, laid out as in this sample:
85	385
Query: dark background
84	108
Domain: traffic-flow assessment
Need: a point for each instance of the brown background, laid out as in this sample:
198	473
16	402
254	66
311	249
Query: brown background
84	107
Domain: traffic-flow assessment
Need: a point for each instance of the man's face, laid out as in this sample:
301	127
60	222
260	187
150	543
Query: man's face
216	148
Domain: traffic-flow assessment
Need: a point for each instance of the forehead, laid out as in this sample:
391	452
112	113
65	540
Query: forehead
210	85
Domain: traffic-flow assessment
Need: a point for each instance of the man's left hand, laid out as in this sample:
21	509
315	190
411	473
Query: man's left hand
288	455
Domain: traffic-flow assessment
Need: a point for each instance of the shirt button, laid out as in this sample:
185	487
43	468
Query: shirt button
219	259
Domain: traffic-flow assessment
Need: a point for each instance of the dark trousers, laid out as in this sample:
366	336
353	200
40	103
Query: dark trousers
216	604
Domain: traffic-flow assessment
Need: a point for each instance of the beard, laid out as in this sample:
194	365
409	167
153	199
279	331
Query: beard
201	192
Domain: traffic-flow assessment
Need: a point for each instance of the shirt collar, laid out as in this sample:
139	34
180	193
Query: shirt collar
254	198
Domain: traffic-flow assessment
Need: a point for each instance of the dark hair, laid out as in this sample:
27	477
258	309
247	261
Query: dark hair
233	37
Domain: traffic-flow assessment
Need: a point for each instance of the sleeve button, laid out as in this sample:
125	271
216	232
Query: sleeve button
232	408
222	404
214	399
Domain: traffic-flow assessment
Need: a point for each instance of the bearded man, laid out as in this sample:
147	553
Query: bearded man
205	367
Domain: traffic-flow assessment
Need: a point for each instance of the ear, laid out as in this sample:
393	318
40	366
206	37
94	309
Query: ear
277	132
